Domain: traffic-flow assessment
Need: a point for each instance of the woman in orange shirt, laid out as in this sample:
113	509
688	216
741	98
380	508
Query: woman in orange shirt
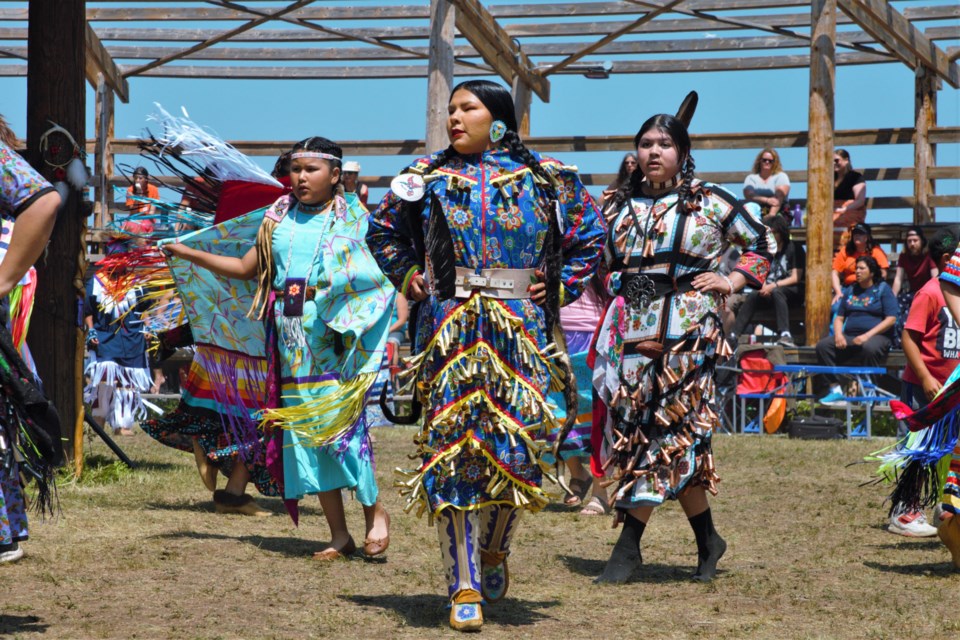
845	262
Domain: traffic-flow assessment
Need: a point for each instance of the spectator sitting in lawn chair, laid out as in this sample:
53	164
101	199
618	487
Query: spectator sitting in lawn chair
862	328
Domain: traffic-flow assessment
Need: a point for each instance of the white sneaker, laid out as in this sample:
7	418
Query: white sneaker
912	525
11	552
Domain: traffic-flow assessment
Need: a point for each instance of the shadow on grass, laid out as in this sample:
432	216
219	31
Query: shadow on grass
646	573
100	460
940	569
206	506
429	610
928	544
290	547
10	624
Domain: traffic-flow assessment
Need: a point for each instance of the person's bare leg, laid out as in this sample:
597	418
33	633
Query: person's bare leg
233	498
238	480
332	504
579	477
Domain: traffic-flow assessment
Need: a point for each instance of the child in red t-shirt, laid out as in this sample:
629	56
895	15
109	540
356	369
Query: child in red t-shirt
931	344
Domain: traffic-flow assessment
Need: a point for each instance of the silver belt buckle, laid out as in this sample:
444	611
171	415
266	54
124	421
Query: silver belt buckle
640	291
478	282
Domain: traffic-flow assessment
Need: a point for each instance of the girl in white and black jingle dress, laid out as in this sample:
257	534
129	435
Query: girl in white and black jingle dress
661	336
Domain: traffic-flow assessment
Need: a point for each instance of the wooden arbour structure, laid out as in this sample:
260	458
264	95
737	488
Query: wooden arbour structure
524	45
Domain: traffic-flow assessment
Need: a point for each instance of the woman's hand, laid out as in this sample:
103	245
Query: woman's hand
840	341
712	281
836	298
538	291
417	289
860	340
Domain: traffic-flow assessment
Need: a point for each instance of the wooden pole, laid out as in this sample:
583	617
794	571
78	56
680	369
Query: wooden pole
823	19
103	153
439	73
56	85
522	97
924	153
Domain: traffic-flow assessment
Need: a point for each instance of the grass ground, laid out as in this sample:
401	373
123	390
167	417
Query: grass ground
140	554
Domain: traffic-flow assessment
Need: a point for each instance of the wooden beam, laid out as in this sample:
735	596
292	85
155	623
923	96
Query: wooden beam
613	35
439	72
526	29
897	34
209	42
620	143
924	153
819	292
57	41
98	60
498	49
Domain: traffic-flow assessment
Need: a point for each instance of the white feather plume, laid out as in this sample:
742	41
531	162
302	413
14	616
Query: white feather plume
204	147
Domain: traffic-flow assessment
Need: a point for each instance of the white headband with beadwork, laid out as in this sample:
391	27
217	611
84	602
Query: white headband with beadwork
313	154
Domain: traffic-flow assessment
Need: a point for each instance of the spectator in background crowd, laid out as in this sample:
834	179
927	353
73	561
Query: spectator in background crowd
784	285
849	192
861	243
930	346
862	328
351	181
141	187
627	167
914	268
768	185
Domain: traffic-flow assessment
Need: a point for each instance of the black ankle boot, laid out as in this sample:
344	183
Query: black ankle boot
710	546
626	553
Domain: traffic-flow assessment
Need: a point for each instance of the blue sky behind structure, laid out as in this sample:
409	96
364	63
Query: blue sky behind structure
867	96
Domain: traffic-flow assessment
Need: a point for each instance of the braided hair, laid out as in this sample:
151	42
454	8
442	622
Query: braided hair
266	268
677	131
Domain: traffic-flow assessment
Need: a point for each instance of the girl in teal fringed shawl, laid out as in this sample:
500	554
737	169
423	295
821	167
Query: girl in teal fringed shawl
327	308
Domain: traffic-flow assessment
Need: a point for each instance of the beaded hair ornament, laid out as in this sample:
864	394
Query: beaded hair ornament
313	154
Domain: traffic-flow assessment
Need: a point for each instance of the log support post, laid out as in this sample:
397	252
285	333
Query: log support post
56	86
823	18
440	73
924	153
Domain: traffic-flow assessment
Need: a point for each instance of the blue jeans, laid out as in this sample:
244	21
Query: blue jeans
913	396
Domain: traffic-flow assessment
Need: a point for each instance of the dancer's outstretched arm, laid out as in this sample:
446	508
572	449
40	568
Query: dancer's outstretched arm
244	268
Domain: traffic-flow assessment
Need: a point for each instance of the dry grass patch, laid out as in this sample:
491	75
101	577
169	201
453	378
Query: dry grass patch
140	554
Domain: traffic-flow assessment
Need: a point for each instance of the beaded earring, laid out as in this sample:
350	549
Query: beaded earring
498	129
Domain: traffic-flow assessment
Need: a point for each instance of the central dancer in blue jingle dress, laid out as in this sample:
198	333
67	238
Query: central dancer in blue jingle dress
491	239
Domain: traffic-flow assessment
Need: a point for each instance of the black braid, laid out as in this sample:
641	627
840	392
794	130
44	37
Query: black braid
687	200
627	190
516	146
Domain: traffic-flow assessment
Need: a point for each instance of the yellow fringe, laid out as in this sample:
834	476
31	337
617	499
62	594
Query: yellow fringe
320	422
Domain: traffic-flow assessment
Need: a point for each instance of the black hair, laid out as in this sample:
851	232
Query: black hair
677	131
778	224
919	231
843	153
623	174
874	267
851	247
282	165
944	241
320	144
141	171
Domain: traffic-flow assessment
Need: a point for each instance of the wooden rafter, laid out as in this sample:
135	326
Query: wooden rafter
650	15
218	38
903	39
498	49
98	60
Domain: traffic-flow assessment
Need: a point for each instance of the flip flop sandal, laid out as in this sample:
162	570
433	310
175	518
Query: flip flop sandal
578	491
596	507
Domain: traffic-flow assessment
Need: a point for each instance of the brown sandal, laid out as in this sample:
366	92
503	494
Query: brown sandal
331	553
378	546
578	491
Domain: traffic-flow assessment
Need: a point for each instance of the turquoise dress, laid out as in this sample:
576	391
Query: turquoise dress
326	371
